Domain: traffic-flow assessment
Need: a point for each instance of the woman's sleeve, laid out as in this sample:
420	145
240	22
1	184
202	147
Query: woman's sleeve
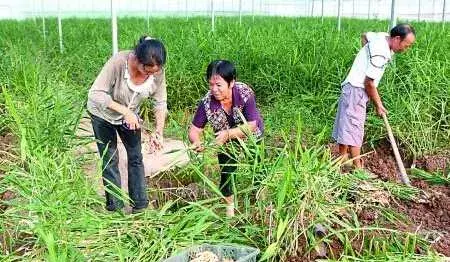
200	118
250	111
100	91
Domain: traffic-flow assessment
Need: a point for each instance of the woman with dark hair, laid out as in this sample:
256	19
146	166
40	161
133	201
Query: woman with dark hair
113	104
223	107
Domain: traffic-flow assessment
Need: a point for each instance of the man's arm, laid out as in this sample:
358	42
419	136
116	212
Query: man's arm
364	39
372	92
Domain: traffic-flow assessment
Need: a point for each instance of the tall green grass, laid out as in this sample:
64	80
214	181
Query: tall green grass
295	67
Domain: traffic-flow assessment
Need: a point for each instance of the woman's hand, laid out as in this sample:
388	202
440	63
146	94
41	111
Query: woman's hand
222	137
156	142
131	120
198	147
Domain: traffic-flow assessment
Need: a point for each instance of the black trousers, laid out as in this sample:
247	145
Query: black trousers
228	165
106	135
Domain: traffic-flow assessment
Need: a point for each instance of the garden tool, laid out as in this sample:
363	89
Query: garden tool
398	159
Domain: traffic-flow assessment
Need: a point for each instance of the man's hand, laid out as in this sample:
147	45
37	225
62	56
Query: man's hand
222	137
381	110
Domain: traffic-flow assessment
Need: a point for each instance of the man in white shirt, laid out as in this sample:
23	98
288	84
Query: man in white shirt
360	86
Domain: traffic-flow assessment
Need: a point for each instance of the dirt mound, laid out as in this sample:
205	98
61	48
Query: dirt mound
430	218
433	163
381	161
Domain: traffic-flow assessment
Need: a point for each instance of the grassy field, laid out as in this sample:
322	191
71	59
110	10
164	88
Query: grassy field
295	67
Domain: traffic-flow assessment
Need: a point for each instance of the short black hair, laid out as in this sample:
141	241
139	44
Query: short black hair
223	68
402	30
150	51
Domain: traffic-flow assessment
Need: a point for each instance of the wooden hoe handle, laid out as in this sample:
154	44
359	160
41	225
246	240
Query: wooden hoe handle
401	167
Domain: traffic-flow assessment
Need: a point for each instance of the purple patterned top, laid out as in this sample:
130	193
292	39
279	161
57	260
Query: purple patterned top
243	103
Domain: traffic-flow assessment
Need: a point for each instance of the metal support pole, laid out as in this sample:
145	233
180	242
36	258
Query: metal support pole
240	12
186	9
44	33
34	11
322	11
115	46
393	13
260	7
60	28
443	14
419	11
339	15
212	16
147	16
433	14
353	8
369	9
306	8
253	10
312	8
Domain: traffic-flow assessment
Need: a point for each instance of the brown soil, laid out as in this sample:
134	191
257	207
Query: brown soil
164	189
6	154
434	163
382	163
430	218
6	145
334	250
7	141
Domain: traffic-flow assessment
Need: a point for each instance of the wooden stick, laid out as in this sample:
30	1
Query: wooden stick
401	167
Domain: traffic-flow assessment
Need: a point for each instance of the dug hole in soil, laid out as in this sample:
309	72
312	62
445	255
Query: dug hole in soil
430	219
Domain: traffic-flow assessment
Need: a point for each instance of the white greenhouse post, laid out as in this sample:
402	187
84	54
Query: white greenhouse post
186	9
322	11
306	8
433	14
212	16
443	15
253	10
147	15
115	46
34	11
339	15
240	12
312	8
368	9
393	13
419	11
353	8
60	27
43	20
260	7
